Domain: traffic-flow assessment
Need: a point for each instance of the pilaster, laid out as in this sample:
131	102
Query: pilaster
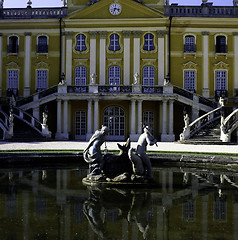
102	69
93	51
127	56
0	64
69	47
161	57
89	117
136	55
27	64
206	92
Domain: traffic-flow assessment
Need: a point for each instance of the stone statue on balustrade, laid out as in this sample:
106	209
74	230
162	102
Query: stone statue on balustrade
129	166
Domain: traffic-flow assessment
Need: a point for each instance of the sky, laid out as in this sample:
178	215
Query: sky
58	3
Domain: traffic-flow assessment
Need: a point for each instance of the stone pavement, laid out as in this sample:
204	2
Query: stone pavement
77	145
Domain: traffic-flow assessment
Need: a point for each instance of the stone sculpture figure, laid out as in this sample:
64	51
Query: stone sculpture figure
92	153
141	162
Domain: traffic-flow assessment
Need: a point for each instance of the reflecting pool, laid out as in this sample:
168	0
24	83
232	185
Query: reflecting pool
188	204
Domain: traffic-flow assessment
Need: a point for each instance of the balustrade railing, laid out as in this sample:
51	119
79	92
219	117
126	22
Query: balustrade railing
77	89
21	13
205	10
114	89
200	123
228	125
27	118
152	89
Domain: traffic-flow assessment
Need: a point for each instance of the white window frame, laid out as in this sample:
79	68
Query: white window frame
114	117
114	75
13	81
114	44
80	76
221	81
81	45
41	80
80	125
149	118
188	42
189	81
47	37
149	44
148	76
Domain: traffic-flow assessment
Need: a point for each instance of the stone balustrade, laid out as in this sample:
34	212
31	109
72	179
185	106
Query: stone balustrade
22	13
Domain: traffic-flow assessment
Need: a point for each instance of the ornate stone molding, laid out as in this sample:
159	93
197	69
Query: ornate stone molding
126	34
205	33
161	33
12	65
42	65
221	65
190	65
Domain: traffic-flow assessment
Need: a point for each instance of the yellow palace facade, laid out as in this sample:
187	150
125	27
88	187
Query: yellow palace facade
118	63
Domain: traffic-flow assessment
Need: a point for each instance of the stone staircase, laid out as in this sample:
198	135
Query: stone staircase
209	135
24	133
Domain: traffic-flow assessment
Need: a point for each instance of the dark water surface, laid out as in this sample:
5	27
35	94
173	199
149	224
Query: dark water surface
188	204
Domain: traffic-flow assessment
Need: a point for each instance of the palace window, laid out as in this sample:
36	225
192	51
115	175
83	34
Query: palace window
42	44
12	76
188	211
114	119
221	83
114	42
114	78
81	43
189	44
80	76
149	42
189	80
221	46
13	44
148	79
80	125
219	209
148	118
41	80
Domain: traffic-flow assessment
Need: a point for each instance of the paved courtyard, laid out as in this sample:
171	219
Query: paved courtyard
76	145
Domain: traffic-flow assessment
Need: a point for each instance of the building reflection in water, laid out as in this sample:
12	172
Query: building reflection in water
53	204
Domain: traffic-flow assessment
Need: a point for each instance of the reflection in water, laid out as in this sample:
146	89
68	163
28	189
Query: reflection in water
188	204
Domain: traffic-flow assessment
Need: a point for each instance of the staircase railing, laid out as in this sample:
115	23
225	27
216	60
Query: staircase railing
32	121
228	125
194	127
6	125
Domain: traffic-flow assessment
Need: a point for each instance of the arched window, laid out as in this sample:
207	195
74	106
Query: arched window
13	44
114	119
42	44
114	42
221	46
80	76
81	43
189	44
149	42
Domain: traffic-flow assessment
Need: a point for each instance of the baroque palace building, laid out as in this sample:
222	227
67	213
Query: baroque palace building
120	63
